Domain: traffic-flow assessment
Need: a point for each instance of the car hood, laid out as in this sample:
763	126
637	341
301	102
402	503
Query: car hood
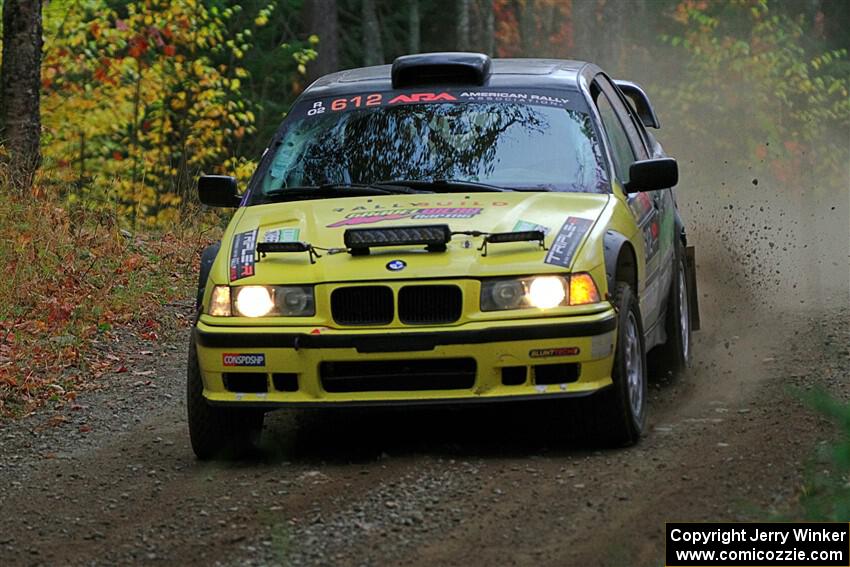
322	223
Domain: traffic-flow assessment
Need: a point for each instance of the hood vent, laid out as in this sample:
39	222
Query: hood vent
440	69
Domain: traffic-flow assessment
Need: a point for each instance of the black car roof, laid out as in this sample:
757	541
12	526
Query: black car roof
504	73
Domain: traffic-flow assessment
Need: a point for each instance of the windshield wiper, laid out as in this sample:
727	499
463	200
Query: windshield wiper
445	185
330	190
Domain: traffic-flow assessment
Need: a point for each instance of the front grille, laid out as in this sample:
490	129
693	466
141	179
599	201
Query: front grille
398	375
429	304
362	305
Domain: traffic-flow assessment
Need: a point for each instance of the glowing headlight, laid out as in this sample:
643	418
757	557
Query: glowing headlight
542	292
253	301
546	292
267	301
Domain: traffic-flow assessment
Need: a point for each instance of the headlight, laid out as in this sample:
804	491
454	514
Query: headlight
262	301
547	292
542	292
253	301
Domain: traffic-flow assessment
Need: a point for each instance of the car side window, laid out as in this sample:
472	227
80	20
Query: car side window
624	155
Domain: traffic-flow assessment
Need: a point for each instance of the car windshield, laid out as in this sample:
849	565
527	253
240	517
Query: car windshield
511	145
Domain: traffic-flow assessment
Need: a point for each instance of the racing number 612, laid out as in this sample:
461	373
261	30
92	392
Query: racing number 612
357	102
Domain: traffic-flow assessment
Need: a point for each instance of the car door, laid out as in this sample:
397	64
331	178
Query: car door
628	146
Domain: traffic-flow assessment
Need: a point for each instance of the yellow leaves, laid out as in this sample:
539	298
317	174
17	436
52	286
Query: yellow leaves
313	39
260	21
151	123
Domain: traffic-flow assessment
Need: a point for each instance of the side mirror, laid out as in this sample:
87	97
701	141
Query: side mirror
218	191
652	175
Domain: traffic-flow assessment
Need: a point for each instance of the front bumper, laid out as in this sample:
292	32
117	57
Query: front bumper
581	346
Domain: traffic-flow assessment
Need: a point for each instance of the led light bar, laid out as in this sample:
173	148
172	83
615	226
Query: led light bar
519	236
434	237
264	248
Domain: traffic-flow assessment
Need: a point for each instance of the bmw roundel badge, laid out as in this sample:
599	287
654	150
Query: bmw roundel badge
396	265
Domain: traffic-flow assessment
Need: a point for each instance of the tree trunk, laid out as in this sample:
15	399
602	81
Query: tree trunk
463	25
489	28
527	34
20	82
585	28
321	19
373	51
413	25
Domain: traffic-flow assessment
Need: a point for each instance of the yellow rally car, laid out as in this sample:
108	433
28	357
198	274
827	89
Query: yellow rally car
448	229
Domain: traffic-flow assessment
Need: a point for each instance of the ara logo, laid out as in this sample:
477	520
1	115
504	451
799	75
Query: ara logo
422	97
396	265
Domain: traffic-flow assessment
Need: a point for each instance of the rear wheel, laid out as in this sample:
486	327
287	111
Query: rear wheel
217	431
675	354
617	415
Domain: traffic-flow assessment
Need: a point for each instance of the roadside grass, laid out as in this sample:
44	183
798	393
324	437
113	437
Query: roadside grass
826	494
74	283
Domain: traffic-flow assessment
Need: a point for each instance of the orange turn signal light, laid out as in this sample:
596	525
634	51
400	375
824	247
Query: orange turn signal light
583	289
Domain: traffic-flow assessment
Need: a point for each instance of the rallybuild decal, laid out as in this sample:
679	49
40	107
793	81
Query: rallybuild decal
237	359
567	240
242	255
372	217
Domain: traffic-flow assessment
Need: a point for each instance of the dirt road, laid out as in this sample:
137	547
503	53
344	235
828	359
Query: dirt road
115	481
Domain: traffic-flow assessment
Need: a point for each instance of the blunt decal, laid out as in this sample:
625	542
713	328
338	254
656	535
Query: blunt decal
567	240
242	255
547	352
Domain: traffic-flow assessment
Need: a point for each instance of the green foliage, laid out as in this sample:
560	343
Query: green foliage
141	99
826	496
753	80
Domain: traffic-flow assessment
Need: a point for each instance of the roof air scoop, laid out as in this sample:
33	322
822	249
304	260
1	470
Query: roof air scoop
440	69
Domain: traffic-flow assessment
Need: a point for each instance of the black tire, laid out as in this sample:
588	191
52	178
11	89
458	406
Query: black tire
217	431
207	259
675	355
617	415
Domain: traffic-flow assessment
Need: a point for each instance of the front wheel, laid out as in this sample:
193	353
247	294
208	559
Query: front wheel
217	431
617	416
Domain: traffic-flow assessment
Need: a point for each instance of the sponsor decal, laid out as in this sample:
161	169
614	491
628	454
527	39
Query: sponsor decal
650	237
367	99
242	255
549	352
281	235
523	226
396	265
372	217
237	359
422	97
567	240
533	98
